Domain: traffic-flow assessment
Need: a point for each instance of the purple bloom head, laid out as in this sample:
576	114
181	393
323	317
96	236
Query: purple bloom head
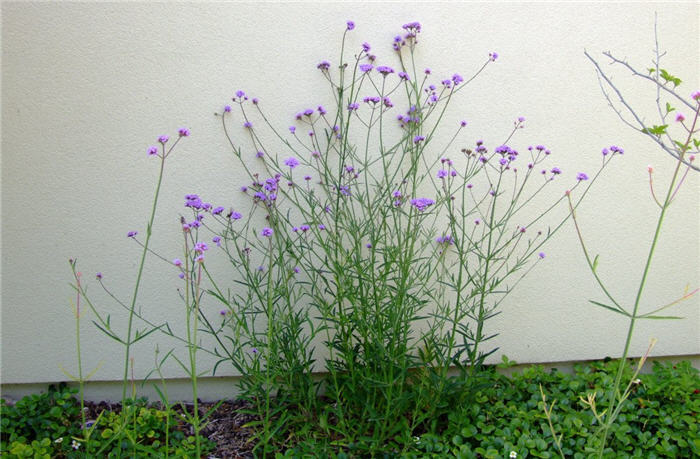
227	108
216	240
321	227
350	25
457	79
364	68
183	132
321	111
132	233
201	247
581	176
493	56
385	70
177	262
291	162
222	312
463	123
324	65
404	76
555	171
418	139
236	216
521	119
441	174
163	139
541	255
680	117
217	210
240	94
152	151
366	47
292	129
695	95
98	276
353	106
422	203
266	232
248	125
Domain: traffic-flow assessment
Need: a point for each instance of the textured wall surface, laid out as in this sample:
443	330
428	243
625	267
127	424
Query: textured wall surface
87	87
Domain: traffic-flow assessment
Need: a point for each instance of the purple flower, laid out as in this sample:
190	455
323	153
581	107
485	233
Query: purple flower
248	124
163	139
457	79
181	275
555	171
244	189
521	119
605	152
296	269
388	103
404	76
447	83
396	194
321	227
366	47
255	101
353	106
446	239
493	56
259	154
372	99
152	151
199	259
292	129
463	123
364	68
98	276
581	176
422	203
308	112
183	132
695	95
222	312
304	228
227	108
442	173
322	111
428	71
216	240
307	177
368	245
324	65
291	162
266	232
541	255
177	262
217	210
201	247
132	233
680	117
418	139
315	154
617	150
350	25
385	70
240	94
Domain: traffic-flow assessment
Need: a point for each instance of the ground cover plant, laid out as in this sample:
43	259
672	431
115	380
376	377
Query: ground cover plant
372	243
658	420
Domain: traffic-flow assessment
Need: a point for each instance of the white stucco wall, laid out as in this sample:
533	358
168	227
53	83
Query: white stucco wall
87	87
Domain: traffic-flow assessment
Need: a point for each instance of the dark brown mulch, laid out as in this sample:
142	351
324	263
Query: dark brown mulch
225	426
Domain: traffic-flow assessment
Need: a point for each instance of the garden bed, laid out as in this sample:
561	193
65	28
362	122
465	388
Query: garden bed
504	418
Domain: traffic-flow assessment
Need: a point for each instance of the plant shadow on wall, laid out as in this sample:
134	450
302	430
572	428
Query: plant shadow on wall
368	246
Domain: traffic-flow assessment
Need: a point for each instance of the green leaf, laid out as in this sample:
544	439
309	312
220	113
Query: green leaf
656	130
595	262
669	109
613	309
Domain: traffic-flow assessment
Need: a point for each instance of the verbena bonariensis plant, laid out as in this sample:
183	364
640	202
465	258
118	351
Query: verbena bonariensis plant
678	136
363	234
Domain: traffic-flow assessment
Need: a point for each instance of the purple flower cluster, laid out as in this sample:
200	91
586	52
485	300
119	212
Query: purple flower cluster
446	239
292	162
422	203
